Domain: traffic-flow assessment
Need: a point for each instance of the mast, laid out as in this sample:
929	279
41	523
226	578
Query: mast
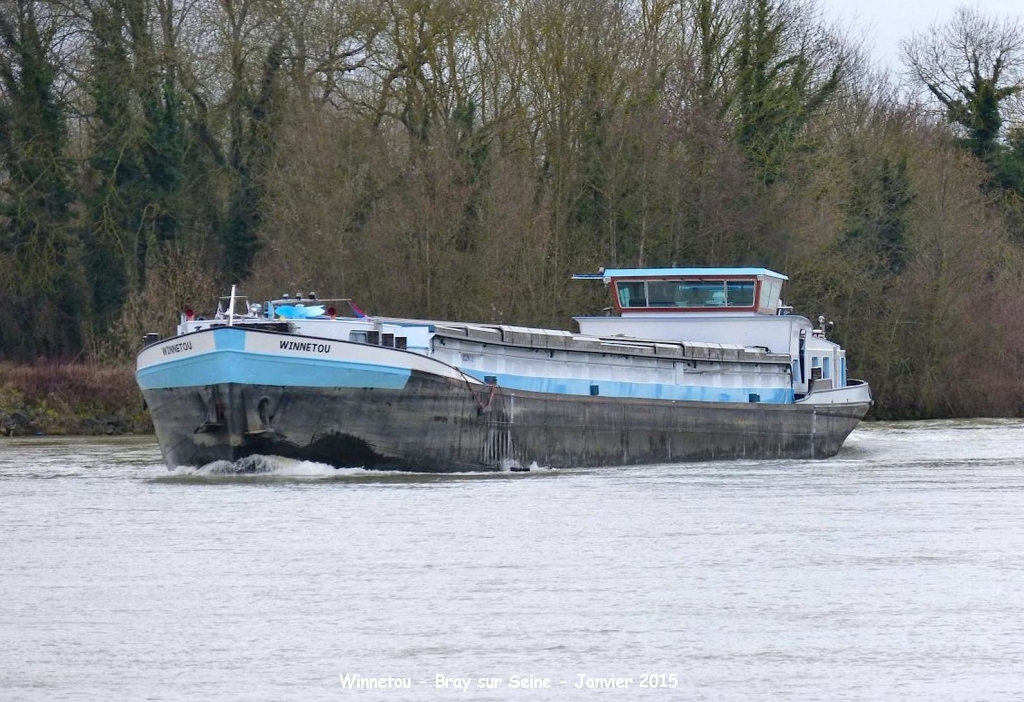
231	307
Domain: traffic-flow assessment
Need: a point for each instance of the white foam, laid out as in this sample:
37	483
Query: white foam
257	465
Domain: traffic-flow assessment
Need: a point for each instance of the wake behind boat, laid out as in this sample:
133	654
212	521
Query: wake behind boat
695	364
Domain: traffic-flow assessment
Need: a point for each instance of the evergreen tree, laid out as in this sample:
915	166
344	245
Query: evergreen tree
137	153
41	293
785	72
250	156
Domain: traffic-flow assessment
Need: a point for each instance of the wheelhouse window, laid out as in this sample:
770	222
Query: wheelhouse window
632	294
770	290
686	294
702	293
739	293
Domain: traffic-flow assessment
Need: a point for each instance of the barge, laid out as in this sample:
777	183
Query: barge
688	364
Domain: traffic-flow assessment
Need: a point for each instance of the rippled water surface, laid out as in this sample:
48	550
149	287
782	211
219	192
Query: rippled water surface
894	571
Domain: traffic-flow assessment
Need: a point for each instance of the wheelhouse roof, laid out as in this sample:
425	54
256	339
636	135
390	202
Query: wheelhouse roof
609	273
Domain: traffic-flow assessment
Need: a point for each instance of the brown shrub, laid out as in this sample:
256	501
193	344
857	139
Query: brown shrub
68	398
76	384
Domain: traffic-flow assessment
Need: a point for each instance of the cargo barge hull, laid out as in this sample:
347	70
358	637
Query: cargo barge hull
444	425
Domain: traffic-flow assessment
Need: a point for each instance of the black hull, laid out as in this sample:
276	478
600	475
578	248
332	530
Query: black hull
441	425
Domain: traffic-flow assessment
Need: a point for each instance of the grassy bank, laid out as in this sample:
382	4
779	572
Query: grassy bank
54	398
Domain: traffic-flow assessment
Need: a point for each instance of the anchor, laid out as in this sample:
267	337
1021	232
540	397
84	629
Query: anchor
214	420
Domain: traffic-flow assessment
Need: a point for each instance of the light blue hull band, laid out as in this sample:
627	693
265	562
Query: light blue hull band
233	366
228	338
647	391
230	363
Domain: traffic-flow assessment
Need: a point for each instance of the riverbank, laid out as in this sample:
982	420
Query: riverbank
56	399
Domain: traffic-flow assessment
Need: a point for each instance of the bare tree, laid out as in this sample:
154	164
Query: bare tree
971	65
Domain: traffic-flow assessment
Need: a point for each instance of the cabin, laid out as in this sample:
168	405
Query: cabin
695	290
719	306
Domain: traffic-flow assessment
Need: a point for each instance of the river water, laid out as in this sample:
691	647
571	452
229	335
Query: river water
894	571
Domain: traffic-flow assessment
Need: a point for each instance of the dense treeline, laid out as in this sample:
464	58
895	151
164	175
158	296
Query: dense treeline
461	158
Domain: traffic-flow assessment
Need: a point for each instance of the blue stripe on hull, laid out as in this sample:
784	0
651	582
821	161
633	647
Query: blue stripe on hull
230	363
233	366
648	391
228	338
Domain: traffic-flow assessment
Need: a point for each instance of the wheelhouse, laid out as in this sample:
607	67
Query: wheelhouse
700	290
721	306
